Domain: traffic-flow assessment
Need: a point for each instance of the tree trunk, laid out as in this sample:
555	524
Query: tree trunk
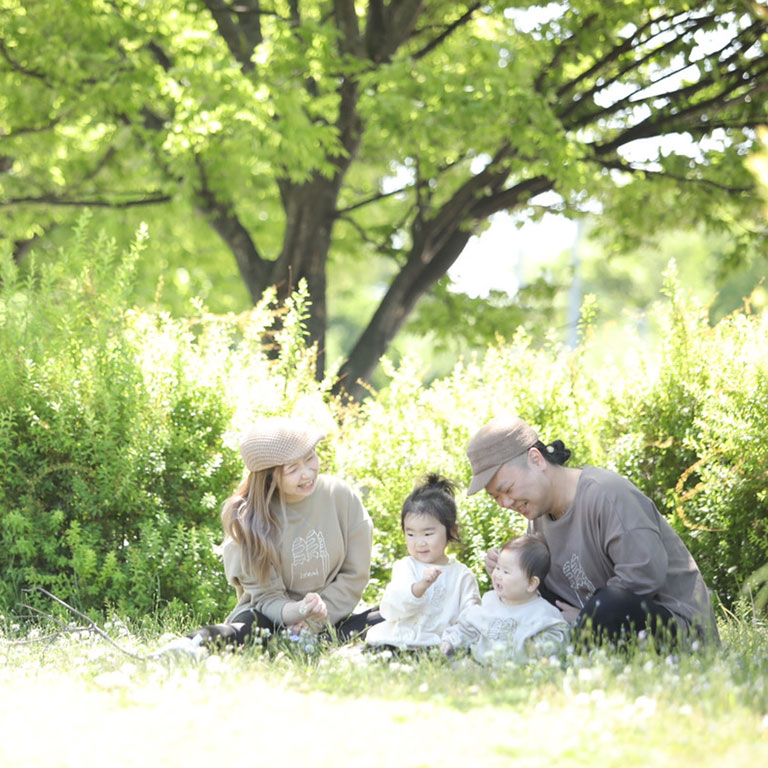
411	283
22	247
309	211
438	242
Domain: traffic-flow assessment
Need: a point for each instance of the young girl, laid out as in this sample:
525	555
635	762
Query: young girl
514	622
297	545
429	590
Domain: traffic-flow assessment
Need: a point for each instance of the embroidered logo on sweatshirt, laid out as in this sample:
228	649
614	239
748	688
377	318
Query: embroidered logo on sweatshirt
310	559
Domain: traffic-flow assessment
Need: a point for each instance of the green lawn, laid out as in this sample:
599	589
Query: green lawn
77	701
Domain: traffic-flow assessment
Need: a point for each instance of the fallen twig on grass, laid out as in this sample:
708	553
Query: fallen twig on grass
42	638
90	627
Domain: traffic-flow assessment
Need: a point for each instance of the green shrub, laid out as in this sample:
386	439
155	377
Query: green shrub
118	432
692	438
116	443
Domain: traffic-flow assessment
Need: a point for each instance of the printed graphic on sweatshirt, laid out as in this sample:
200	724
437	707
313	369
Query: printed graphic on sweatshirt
577	578
502	630
310	559
436	596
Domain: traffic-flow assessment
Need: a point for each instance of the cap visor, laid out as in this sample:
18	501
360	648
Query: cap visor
482	479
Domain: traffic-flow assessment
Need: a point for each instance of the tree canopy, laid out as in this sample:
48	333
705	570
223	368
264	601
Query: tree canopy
302	129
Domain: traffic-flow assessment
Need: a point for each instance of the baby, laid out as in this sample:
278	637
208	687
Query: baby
513	622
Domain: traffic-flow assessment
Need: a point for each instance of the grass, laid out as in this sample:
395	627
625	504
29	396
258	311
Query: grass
78	701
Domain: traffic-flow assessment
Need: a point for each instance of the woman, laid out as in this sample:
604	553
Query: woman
617	565
297	545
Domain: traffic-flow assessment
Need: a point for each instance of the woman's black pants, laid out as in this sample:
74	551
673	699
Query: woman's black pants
242	628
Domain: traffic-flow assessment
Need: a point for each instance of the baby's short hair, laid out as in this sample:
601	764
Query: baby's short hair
533	552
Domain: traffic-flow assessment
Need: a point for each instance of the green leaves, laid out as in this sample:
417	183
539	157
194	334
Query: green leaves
238	127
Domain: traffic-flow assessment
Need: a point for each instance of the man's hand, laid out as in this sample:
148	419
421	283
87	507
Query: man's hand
491	558
570	612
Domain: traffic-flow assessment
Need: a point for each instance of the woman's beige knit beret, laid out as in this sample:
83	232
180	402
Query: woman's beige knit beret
272	442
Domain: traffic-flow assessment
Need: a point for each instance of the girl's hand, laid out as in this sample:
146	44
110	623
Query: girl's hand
419	587
491	558
446	648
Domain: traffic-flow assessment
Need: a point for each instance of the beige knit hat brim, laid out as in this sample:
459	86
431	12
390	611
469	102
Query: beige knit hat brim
273	442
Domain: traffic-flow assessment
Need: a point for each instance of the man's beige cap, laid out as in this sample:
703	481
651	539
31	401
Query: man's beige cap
493	445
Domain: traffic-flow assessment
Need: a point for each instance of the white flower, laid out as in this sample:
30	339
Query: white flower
645	705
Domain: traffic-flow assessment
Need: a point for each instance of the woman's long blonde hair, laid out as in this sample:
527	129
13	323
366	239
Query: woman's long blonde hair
250	521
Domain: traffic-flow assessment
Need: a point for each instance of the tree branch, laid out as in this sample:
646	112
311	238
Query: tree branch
349	124
384	244
372	199
436	229
348	24
620	76
664	122
23	130
635	170
686	27
241	36
382	195
160	56
411	282
565	46
749	36
388	26
63	628
222	217
510	198
447	32
63	201
16	67
627	45
360	231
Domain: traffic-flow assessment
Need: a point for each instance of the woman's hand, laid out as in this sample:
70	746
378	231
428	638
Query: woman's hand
570	612
418	588
313	608
491	558
310	610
